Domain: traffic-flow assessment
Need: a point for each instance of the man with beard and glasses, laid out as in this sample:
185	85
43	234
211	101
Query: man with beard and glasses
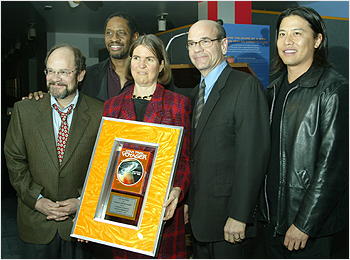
48	147
107	78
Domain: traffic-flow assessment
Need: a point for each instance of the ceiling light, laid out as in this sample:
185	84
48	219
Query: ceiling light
73	4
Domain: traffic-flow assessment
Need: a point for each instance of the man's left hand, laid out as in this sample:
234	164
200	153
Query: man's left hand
295	239
234	230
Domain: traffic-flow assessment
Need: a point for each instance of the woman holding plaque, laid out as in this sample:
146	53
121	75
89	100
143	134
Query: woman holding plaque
148	101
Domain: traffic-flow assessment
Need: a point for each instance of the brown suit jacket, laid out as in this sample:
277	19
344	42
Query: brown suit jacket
31	158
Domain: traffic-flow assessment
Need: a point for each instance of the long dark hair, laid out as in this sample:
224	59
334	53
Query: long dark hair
317	25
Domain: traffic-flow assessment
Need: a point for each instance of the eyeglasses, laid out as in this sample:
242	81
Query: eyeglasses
205	43
61	73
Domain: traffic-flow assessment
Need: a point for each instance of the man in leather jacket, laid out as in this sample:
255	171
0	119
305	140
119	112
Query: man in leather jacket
306	188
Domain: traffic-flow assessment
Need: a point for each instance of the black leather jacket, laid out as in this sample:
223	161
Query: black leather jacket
313	187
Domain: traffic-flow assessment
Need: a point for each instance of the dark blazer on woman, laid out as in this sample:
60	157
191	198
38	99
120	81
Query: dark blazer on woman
169	108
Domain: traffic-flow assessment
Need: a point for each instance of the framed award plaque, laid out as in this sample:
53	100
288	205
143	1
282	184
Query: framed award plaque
129	179
131	164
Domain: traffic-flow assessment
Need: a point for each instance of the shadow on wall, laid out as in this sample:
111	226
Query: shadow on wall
338	53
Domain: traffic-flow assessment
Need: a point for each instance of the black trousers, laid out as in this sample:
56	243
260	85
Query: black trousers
57	248
220	249
315	247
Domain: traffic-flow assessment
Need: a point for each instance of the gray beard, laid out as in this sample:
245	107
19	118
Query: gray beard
62	95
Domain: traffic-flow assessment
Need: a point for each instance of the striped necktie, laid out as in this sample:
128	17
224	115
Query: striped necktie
199	104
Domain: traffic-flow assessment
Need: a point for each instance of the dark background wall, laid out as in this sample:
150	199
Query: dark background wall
21	64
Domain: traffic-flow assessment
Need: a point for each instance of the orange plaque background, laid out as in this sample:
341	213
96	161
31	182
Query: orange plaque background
143	240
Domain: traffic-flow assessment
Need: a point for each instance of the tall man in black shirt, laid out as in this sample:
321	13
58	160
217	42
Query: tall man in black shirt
107	78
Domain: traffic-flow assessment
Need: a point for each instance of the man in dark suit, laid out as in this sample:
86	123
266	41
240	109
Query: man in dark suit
48	147
107	78
230	147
